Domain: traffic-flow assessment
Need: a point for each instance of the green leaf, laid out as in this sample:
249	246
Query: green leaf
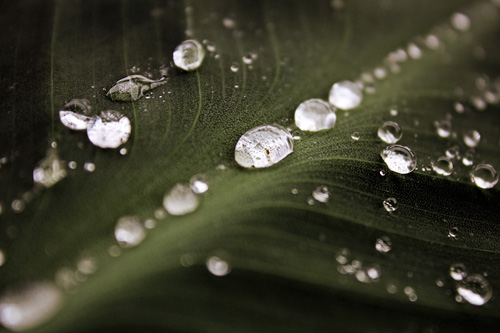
282	250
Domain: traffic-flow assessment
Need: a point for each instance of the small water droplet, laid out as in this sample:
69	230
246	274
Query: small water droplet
382	173
345	95
321	194
443	166
459	107
475	289
189	55
198	183
414	51
249	58
460	21
29	305
342	256
443	128
72	165
87	265
210	46
468	158
453	152
390	204
453	232
235	67
89	167
400	159
472	138
263	146
295	191
458	271
110	129
484	176
439	283
391	288
50	170
355	136
373	273
150	224
393	112
133	87
18	205
114	251
180	200
217	266
432	42
380	73
315	115
129	231
229	23
383	244
390	132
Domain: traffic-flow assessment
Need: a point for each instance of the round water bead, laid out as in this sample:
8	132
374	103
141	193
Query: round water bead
315	115
468	159
263	146
217	266
475	289
355	136
129	231
189	55
443	128
458	271
460	21
390	204
390	132
345	95
383	244
400	159
180	200
443	166
110	129
472	138
321	194
484	176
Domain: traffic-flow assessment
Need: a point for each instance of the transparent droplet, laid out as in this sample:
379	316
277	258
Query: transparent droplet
87	265
229	23
472	138
189	55
129	231
321	194
72	165
361	276
390	132
355	136
78	105
439	283
382	173
50	170
459	107
443	128
342	256
198	183
210	46
458	271
310	201
460	21
400	159
235	67
453	152
484	176
414	51
110	129
217	266
180	200
383	244
263	146
443	166
315	115
133	87
248	58
18	205
453	232
390	204
380	73
393	113
73	120
373	273
432	42
295	191
468	158
89	167
29	305
345	95
475	289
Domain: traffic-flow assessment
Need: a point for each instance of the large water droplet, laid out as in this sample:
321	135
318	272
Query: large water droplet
484	176
27	306
50	170
400	159
189	55
390	204
133	87
475	289
460	21
443	166
383	244
180	200
315	115
472	138
390	132
129	231
217	266
321	194
109	130
458	271
263	146
345	95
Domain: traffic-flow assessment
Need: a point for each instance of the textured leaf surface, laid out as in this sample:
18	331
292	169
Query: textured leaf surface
282	250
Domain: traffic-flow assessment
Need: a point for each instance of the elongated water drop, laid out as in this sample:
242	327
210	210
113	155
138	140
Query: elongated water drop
475	289
484	176
400	159
129	231
345	95
110	129
133	87
263	146
198	183
180	200
50	170
443	166
390	204
390	132
472	138
383	244
189	55
458	271
315	115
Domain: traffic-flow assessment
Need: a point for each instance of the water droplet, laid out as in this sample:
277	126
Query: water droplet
109	130
345	95
468	158
321	194
235	67
414	51
114	251
373	273
73	120
472	138
295	191
390	204
263	146
315	115
453	232
400	159
391	288
129	231
382	173
229	23
475	289
198	183
180	200
383	244
217	266
390	132
458	271
50	170
453	152
189	55
342	256
460	21
443	166
432	42
484	176
29	305
459	107
133	87
18	205
443	128
89	167
393	112
210	46
355	136
380	73
249	58
72	165
439	283
87	265
123	151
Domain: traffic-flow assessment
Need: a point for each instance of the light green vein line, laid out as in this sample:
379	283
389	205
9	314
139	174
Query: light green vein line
13	120
169	120
195	121
52	47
